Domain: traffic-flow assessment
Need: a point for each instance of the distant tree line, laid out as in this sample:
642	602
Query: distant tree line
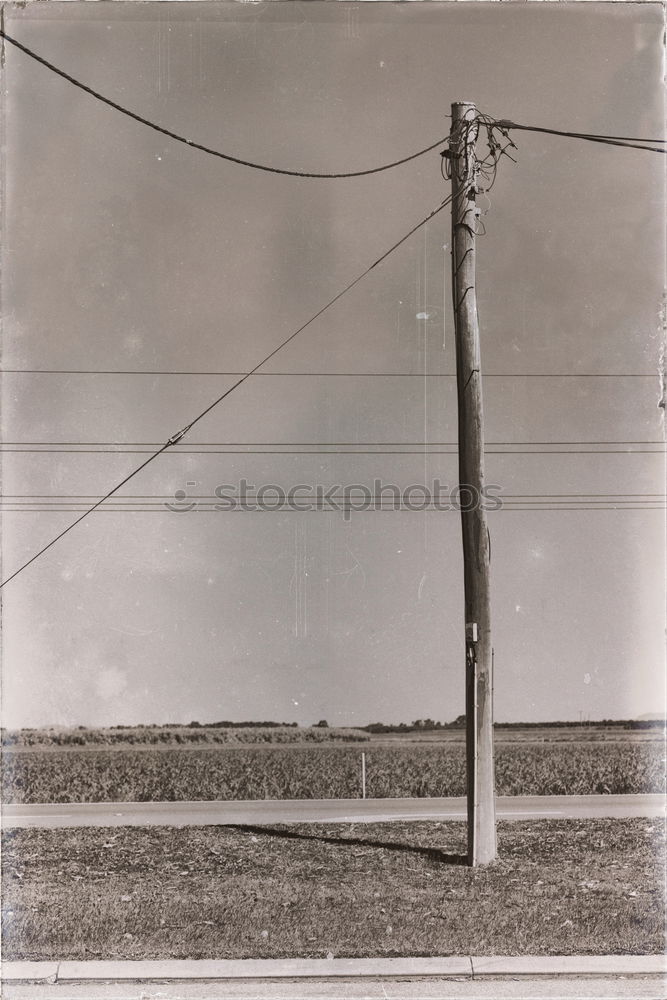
419	725
429	725
598	724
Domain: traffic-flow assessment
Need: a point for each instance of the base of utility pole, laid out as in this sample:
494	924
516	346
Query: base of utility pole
476	543
482	847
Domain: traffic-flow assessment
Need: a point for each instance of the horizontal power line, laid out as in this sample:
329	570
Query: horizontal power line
101	371
510	510
338	508
207	149
304	502
190	450
159	497
271	494
306	444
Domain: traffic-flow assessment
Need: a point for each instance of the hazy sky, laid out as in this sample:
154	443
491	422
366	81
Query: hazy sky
124	250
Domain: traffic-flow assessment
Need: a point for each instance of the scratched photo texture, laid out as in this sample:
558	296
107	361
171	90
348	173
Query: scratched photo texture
232	558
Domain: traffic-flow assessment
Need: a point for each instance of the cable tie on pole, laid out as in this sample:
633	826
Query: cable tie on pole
503	127
464	225
475	370
175	438
460	303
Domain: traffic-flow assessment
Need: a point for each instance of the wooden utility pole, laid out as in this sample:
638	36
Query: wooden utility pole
476	541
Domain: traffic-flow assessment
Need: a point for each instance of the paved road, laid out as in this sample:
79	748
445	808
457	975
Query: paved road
69	814
464	977
593	988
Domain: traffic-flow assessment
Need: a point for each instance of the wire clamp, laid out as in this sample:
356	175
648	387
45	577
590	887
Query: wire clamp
175	438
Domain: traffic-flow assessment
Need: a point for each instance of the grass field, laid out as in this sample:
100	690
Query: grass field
320	771
559	887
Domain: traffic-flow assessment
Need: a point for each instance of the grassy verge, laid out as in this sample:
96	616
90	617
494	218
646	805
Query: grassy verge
560	887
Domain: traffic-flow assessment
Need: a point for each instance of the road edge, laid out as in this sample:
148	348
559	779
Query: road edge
452	967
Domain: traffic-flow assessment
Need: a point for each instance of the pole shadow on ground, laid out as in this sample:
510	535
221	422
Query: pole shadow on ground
432	854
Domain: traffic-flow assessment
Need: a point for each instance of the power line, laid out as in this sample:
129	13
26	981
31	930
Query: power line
41	504
175	438
85	514
207	149
350	494
120	446
308	444
385	450
609	140
101	371
502	124
11	497
373	507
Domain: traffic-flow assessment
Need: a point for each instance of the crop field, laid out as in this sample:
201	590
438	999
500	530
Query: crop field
534	734
321	771
179	736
